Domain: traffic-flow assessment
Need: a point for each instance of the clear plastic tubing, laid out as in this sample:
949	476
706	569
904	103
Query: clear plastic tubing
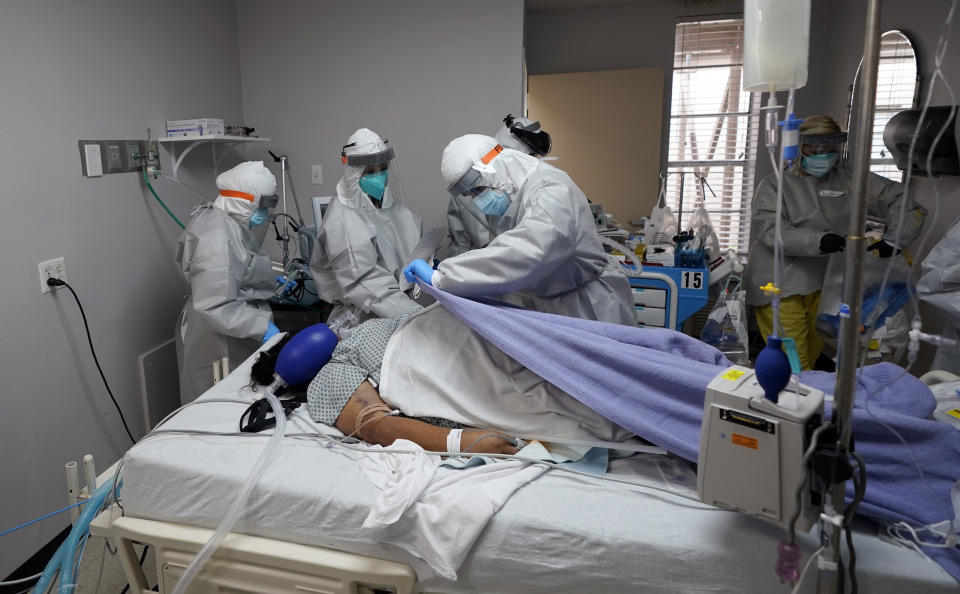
240	501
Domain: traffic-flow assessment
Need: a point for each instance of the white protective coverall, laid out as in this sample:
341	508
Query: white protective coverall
230	279
813	207
467	227
940	286
545	254
362	249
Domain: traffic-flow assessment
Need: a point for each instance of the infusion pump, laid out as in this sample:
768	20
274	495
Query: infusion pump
751	450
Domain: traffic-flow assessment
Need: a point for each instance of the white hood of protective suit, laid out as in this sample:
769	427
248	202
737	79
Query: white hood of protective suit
507	171
365	142
250	177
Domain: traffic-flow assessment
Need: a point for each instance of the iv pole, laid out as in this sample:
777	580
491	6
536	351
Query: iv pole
284	174
831	580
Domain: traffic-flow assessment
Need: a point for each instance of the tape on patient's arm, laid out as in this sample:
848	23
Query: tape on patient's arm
453	441
362	420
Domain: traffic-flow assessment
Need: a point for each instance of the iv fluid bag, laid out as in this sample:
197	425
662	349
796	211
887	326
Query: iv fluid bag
776	44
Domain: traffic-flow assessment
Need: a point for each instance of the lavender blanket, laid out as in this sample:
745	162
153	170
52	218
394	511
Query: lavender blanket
652	382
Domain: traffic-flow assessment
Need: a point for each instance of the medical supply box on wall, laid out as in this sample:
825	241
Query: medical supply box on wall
751	449
195	127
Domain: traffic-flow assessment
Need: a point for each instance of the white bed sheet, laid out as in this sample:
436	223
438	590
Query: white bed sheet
556	534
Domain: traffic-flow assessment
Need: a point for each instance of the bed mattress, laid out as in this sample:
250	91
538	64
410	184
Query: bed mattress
558	533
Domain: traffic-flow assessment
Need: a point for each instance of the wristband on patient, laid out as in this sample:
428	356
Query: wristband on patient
453	441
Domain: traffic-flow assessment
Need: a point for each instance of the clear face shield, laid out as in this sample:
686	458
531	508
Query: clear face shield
261	217
821	144
531	135
379	176
484	203
471	182
269	202
468	183
820	152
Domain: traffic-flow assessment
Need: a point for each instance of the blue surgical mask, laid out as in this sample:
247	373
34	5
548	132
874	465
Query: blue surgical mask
374	184
492	202
819	165
259	217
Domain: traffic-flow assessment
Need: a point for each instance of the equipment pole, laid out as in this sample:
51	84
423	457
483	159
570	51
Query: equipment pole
849	345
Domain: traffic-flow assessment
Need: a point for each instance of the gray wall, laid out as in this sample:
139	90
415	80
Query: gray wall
639	34
312	73
81	70
417	72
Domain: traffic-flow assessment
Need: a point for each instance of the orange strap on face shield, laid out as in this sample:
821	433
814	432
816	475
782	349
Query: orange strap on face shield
236	194
491	155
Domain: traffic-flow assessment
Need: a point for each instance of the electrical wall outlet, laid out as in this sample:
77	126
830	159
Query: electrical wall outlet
51	268
114	158
316	174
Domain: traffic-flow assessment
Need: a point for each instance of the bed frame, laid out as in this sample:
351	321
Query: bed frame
245	563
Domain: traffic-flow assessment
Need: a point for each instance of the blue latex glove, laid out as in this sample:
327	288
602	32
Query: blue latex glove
272	331
289	288
418	269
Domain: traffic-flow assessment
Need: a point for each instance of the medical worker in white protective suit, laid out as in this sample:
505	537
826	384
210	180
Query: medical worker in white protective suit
817	193
467	227
940	286
230	277
367	235
545	254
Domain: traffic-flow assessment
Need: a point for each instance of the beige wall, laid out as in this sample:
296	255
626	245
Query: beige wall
605	128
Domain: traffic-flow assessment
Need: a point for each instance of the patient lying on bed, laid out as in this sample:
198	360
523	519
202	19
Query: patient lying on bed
441	376
344	394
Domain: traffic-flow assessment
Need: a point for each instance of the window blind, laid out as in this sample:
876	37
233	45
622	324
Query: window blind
713	129
896	88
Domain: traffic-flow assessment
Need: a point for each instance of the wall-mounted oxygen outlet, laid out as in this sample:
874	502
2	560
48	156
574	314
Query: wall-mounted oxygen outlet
102	157
51	268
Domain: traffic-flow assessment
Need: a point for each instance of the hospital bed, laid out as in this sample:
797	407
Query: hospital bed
559	533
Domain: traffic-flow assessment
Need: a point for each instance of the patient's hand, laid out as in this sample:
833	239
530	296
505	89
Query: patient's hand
488	444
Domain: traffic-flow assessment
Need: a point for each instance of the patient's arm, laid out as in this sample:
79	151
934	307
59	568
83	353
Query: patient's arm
382	429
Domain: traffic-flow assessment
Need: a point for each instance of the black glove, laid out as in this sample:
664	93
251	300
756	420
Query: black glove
884	249
831	242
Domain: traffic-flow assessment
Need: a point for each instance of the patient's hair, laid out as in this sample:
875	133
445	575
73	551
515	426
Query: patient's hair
262	372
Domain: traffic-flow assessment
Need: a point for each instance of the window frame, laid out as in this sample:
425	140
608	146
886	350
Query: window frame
728	205
876	165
